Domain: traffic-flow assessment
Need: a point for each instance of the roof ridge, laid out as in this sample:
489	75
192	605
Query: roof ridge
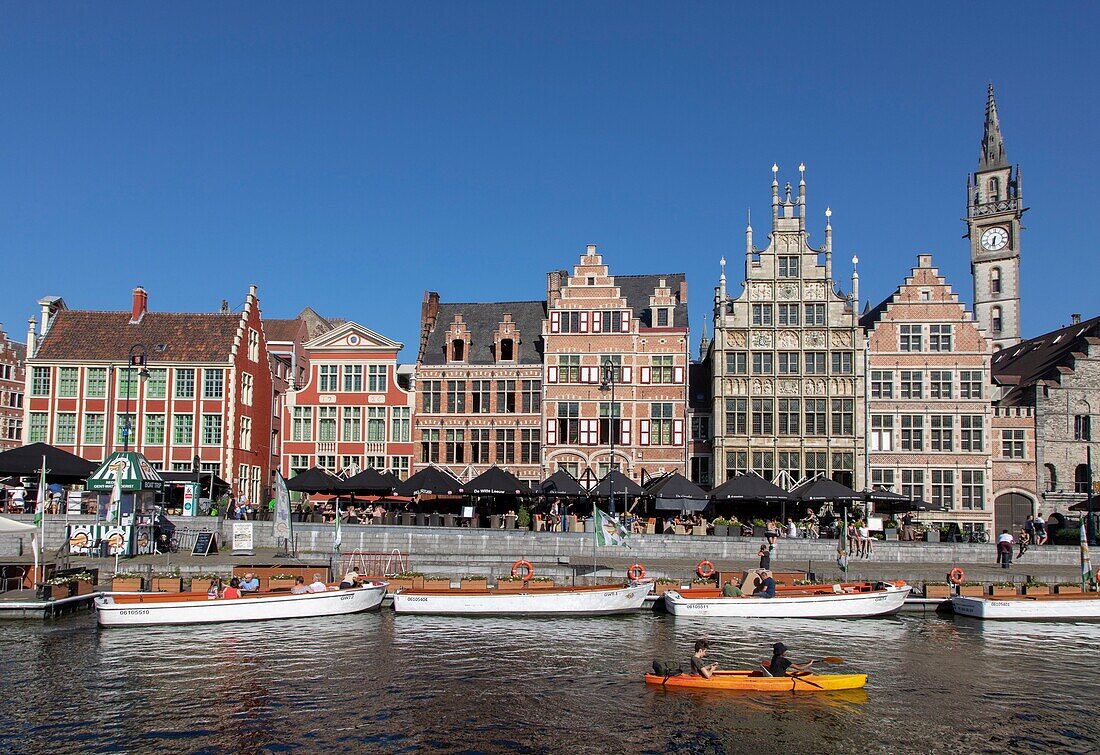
235	315
467	303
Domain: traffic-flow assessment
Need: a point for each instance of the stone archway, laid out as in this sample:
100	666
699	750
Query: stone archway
1010	511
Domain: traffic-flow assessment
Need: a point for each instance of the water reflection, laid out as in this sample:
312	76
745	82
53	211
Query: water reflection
385	683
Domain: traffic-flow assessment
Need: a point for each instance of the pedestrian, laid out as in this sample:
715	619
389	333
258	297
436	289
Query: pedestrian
1025	541
866	539
853	538
765	555
1004	549
1040	529
907	526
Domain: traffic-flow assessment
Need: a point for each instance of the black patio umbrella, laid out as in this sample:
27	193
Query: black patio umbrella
495	481
562	484
891	503
674	492
1085	504
823	489
61	466
432	480
749	487
315	480
368	482
619	484
220	485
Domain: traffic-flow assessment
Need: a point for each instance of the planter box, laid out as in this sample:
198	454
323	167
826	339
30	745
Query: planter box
759	531
1002	592
474	584
937	591
721	530
200	585
167	584
972	591
932	536
891	534
519	586
126	585
279	584
83	588
413	583
437	584
662	589
1036	590
57	592
1068	589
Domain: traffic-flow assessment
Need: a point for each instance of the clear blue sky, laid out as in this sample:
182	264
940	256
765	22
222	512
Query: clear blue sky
348	156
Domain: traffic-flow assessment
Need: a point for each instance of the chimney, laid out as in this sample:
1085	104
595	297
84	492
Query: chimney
225	306
140	305
31	338
1075	318
683	297
924	260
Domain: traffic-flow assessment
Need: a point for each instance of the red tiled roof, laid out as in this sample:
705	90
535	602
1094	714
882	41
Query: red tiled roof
168	336
285	331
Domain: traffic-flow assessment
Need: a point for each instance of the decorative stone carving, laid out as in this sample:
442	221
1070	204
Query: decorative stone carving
757	386
787	290
788	339
814	291
737	339
762	340
788	387
760	290
815	339
842	338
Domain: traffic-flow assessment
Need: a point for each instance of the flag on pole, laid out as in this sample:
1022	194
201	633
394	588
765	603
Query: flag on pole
40	507
1086	562
842	545
608	529
336	540
282	529
114	508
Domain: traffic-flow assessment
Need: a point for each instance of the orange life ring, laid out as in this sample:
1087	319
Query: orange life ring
956	576
636	572
705	569
524	565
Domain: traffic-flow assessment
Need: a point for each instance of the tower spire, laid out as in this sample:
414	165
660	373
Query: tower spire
993	144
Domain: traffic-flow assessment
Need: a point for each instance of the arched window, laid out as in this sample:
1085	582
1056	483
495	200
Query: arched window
995	316
1052	478
994	186
507	350
458	350
1081	479
995	280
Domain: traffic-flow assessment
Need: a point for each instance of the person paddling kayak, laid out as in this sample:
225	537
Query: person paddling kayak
780	664
698	666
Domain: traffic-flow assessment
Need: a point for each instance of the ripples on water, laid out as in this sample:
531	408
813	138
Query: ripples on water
383	683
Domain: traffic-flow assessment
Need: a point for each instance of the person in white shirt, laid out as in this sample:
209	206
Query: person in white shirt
866	539
318	585
1004	549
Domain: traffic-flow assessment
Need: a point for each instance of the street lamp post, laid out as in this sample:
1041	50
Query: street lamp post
137	359
607	383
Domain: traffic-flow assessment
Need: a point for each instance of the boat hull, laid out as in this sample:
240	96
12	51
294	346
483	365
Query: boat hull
745	681
574	602
1051	608
129	611
856	605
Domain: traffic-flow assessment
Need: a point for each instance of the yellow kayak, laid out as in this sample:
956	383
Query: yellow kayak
754	681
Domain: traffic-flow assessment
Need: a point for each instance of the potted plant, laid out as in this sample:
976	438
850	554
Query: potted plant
936	590
281	581
1034	587
511	584
734	525
523	518
56	588
84	582
1068	588
201	582
541	583
1002	589
126	582
167	582
410	580
721	527
972	589
701	583
664	584
437	582
890	528
759	528
931	534
474	581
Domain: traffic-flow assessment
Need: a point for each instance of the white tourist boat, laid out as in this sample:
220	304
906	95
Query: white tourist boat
1069	607
850	600
152	609
575	601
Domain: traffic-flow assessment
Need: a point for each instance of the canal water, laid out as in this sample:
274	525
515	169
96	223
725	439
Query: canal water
384	683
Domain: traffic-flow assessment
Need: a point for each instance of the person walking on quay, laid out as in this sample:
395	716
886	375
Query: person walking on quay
1004	549
1040	529
765	555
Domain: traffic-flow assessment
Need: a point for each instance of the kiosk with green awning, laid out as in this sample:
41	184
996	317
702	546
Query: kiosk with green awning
132	533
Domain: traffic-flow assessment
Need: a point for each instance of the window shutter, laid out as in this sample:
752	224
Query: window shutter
555	322
597	322
645	374
677	374
677	432
551	374
551	432
593	431
624	425
626	322
643	432
584	432
586	376
627	373
584	322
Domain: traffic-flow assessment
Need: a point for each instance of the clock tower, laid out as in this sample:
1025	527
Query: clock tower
994	208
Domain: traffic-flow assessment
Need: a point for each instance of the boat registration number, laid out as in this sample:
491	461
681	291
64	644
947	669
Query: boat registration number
134	612
416	600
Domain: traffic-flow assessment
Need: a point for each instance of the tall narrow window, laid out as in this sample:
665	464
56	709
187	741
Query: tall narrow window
458	350
995	316
507	350
995	280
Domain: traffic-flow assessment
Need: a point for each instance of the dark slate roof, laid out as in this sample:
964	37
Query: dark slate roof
871	317
637	289
169	336
1042	357
482	319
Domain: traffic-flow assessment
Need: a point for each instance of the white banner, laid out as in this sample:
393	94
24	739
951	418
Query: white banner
242	536
282	527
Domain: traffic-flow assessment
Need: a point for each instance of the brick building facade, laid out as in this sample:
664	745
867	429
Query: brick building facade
208	392
13	356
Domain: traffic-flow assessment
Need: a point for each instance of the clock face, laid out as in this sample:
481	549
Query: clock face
994	239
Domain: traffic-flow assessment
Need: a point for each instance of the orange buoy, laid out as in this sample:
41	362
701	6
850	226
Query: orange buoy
636	572
705	569
522	564
956	576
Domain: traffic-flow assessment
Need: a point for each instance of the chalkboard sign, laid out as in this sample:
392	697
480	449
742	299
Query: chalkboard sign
205	544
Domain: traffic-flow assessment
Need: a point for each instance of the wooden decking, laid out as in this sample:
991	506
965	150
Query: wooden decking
24	604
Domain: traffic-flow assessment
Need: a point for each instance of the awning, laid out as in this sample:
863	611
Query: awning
619	484
495	481
824	489
889	502
562	484
61	466
314	480
178	478
12	527
749	487
432	480
134	471
368	482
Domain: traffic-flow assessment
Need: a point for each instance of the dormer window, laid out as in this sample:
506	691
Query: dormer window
458	350
507	350
662	318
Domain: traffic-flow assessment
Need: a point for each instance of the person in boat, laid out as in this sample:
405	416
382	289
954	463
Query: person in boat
765	554
214	590
350	580
732	588
318	584
250	583
300	586
234	589
698	666
766	588
781	665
